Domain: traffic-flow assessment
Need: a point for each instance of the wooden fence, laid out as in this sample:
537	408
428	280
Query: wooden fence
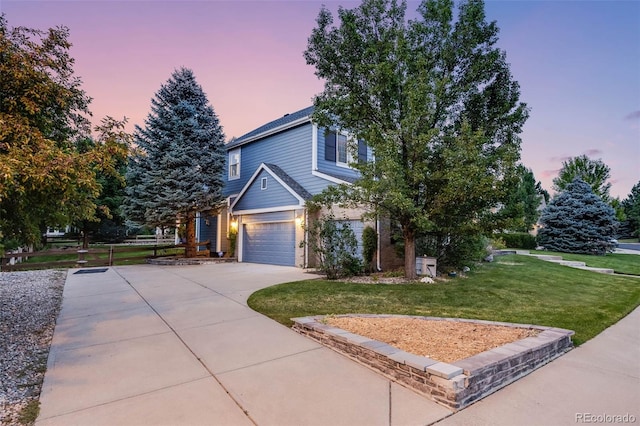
77	258
151	239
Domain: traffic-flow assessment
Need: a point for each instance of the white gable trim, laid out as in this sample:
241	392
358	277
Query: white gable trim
314	147
268	210
328	177
301	201
314	159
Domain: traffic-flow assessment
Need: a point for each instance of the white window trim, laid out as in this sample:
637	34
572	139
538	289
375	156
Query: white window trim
263	183
349	139
231	155
314	158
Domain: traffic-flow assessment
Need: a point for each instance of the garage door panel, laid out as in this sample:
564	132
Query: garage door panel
272	243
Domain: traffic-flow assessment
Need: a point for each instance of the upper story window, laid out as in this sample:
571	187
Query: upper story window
234	164
342	153
336	149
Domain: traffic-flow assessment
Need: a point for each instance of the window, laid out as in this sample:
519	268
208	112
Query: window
234	164
336	148
342	156
263	183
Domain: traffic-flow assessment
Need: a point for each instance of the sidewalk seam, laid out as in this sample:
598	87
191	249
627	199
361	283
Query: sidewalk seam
123	398
246	413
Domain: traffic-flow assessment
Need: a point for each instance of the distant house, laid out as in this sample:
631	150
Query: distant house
272	172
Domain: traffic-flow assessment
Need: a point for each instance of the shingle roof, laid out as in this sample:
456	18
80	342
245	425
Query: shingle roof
280	122
289	181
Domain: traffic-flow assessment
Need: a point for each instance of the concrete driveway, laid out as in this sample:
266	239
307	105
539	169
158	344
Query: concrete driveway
153	345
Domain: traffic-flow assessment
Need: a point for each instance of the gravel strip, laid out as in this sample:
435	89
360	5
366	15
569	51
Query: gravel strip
29	305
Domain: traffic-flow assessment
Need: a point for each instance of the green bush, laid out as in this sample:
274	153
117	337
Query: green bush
453	251
521	240
335	244
369	245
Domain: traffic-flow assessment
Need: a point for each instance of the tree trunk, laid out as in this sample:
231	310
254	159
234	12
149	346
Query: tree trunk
409	255
190	227
85	235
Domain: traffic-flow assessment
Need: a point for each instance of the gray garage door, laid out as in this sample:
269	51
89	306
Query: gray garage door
272	243
357	227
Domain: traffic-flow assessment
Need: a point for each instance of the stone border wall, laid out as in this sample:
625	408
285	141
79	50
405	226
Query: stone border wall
455	385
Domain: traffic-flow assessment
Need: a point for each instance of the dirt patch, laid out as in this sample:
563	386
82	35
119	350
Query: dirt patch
445	341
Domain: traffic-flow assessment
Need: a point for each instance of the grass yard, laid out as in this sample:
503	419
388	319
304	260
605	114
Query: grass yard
518	289
621	263
122	255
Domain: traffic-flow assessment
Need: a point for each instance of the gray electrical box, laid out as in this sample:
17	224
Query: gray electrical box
426	266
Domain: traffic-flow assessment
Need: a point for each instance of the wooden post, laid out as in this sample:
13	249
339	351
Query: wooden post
81	260
111	255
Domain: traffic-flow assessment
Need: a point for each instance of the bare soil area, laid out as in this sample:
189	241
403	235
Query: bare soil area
445	341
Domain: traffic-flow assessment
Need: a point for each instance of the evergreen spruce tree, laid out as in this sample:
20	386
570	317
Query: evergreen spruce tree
577	221
178	168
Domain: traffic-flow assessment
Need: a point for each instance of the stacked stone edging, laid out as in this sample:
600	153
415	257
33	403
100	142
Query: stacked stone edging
453	385
555	259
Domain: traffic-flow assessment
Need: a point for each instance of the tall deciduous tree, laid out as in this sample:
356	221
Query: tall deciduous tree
594	172
631	206
178	168
577	221
435	101
45	178
114	142
521	209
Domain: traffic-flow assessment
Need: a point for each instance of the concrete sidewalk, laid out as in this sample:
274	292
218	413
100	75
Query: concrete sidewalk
593	383
151	345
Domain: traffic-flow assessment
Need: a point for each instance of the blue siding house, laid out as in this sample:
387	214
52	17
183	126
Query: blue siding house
271	173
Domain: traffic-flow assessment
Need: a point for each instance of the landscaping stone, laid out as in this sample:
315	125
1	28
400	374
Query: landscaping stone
454	385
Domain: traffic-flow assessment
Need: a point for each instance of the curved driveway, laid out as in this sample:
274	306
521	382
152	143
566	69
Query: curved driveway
177	345
152	345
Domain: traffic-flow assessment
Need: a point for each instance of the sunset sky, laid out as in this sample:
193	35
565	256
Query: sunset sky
577	62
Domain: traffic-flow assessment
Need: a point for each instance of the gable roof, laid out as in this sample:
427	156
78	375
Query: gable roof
278	125
287	182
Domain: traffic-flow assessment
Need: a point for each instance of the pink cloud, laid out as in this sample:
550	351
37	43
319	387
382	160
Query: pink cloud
550	173
635	115
561	159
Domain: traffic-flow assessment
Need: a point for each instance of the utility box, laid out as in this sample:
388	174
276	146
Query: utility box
426	266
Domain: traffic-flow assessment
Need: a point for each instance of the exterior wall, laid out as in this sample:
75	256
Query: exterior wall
325	166
208	230
290	150
223	232
349	214
273	196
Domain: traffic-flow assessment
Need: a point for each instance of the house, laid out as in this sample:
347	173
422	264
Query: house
272	172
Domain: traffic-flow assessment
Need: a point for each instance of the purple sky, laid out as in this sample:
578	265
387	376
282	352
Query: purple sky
577	62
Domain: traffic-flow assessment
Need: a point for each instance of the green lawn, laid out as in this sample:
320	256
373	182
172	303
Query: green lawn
620	263
629	240
517	289
120	257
